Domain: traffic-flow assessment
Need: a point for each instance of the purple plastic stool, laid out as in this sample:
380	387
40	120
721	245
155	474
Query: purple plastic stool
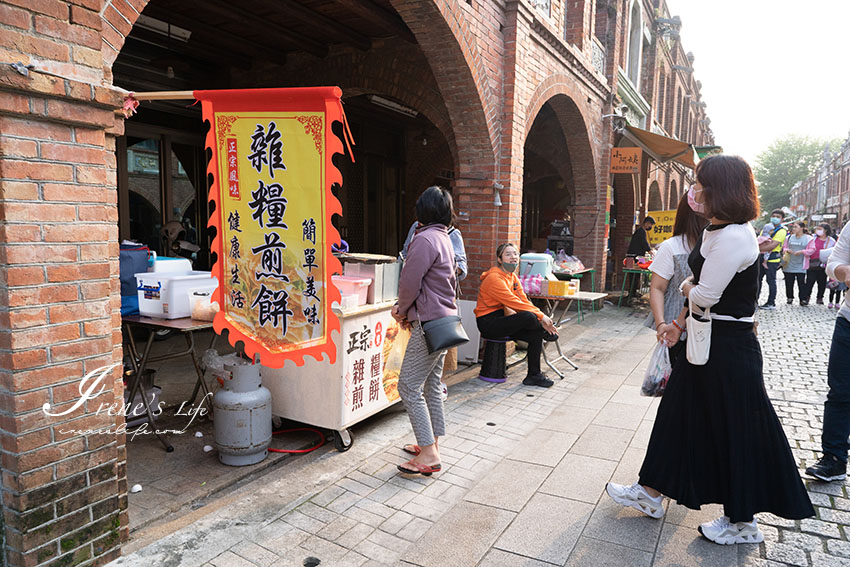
494	366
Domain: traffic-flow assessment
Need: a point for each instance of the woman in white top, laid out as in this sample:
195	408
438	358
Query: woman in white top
716	437
670	268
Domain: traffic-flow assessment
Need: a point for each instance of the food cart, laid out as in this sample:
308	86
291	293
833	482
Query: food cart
362	381
370	347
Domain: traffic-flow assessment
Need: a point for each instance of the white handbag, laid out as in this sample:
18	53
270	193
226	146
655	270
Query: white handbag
699	336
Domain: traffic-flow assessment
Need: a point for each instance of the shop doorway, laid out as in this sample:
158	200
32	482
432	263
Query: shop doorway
548	185
161	180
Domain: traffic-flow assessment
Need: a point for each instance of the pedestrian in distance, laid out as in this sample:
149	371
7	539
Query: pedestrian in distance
770	265
716	437
504	311
836	288
460	268
798	262
816	274
426	291
836	410
639	246
670	268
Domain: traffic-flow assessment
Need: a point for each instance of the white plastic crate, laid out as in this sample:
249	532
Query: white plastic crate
166	295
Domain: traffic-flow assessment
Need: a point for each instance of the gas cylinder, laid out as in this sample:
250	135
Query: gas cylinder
242	412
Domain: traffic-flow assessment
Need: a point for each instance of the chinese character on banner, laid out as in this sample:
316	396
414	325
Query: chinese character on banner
272	174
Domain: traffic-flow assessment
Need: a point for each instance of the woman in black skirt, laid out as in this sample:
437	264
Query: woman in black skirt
716	437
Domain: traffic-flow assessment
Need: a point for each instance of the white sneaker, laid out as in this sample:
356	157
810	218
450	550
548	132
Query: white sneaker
724	532
445	391
636	497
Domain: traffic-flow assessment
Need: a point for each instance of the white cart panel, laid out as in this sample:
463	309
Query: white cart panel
359	384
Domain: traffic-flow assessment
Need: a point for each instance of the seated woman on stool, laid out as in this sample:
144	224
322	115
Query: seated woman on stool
503	310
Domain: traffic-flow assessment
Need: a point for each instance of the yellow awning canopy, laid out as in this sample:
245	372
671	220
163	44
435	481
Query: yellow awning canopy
661	148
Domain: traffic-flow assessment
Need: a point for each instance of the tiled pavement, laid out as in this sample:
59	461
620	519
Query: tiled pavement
524	475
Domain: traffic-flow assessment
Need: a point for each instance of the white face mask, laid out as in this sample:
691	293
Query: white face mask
819	231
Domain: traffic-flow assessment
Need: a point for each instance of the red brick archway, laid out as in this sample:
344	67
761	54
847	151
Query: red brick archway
574	116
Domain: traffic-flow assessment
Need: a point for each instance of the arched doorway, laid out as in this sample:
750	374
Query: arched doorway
548	184
559	176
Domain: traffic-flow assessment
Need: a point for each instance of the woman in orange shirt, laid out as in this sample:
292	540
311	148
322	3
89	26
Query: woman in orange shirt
503	310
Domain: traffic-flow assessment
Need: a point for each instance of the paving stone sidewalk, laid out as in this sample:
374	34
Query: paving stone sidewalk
524	476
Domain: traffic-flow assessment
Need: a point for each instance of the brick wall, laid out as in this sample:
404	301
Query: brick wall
64	493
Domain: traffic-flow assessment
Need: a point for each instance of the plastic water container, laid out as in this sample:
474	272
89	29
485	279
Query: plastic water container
166	295
531	264
350	285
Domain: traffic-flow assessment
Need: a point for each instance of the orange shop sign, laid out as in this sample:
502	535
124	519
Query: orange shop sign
625	160
272	170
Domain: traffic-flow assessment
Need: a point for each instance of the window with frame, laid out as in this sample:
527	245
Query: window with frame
635	43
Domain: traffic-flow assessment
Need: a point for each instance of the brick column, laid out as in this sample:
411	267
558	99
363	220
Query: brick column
64	492
480	237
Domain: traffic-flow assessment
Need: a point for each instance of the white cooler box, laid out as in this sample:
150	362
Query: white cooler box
166	295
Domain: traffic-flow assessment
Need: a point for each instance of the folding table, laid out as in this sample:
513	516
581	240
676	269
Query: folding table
187	326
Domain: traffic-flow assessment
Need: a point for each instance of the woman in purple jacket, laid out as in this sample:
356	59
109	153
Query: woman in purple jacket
426	291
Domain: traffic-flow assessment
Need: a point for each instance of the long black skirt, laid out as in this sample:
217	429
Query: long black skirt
717	439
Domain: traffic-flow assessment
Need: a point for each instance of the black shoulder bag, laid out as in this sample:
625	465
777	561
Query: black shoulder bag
445	332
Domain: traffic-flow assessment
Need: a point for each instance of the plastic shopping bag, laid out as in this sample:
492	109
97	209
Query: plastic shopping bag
658	372
532	284
395	345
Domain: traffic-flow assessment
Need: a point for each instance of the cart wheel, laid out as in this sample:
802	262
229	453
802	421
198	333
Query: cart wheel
343	440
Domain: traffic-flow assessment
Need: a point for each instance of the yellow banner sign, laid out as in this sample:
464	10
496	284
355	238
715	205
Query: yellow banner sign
663	228
625	160
273	172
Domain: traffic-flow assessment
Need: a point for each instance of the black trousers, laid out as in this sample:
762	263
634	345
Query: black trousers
523	326
801	286
815	275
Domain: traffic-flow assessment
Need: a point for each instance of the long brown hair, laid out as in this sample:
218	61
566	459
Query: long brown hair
687	222
730	190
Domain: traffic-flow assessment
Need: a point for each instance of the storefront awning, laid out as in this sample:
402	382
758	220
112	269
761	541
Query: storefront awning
661	148
705	151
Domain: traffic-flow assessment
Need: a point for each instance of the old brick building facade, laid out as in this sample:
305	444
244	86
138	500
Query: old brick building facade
656	83
505	101
826	191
